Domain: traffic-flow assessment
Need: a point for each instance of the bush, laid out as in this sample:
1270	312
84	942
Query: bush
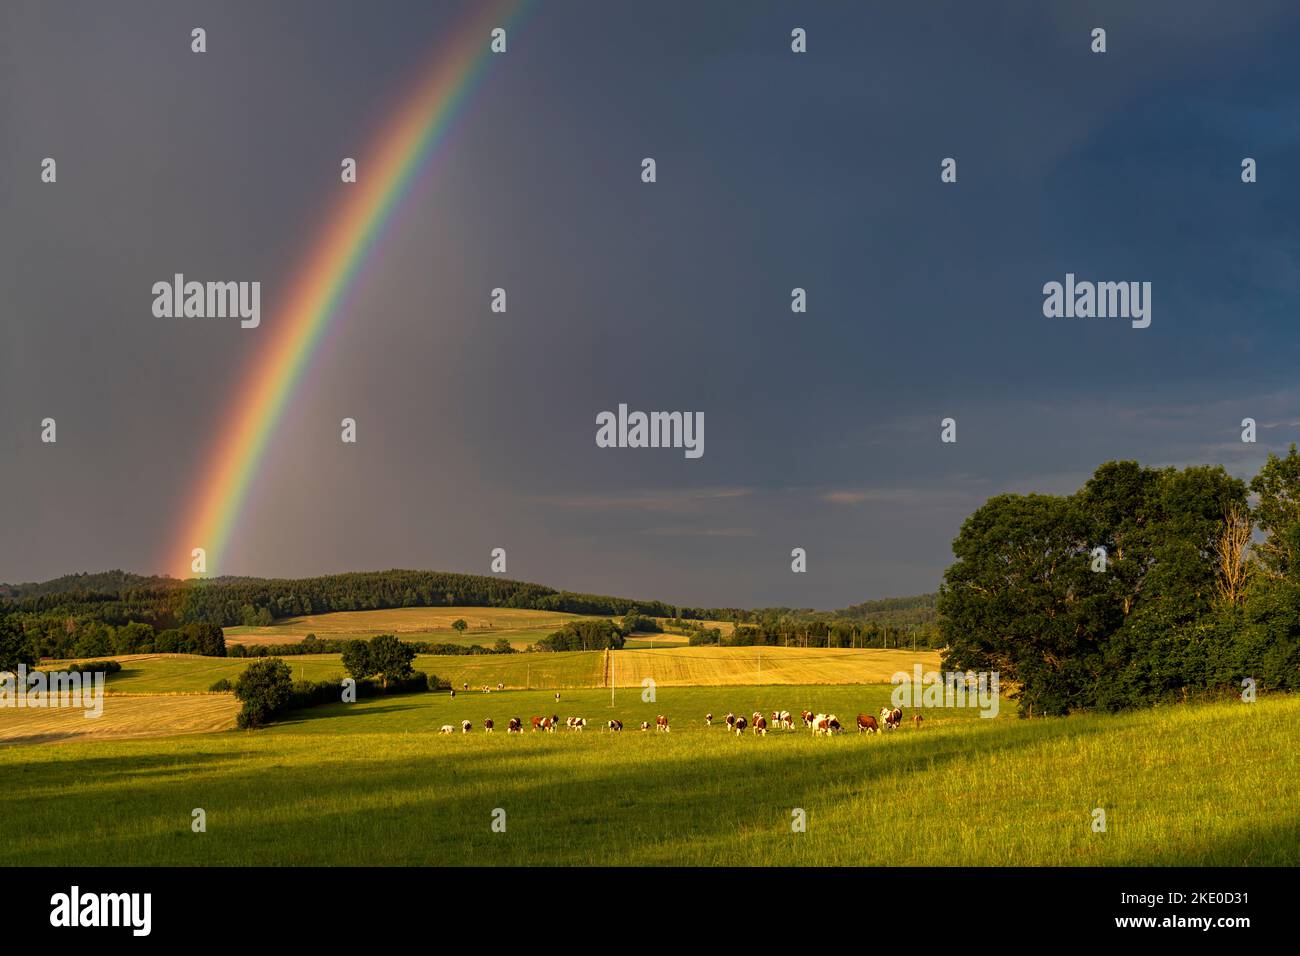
266	688
222	686
91	667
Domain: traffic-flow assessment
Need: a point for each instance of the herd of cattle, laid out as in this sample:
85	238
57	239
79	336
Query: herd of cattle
820	724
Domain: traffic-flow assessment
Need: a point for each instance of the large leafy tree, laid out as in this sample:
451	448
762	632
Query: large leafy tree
383	656
1031	597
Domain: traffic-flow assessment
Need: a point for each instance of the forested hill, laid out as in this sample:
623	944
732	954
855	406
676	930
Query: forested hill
118	597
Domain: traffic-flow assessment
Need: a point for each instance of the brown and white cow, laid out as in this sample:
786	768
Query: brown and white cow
645	725
550	723
731	721
577	723
868	723
807	716
782	719
892	718
708	720
537	723
615	725
661	723
916	721
515	726
487	724
760	725
740	726
446	729
826	724
466	726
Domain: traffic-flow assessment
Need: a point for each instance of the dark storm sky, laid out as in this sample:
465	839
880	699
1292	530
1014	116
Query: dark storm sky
775	170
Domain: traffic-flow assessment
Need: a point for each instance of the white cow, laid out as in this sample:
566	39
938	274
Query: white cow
447	729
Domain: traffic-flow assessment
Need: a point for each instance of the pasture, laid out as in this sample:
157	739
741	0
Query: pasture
372	783
189	674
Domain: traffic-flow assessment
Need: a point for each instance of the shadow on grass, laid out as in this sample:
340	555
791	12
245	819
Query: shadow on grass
565	803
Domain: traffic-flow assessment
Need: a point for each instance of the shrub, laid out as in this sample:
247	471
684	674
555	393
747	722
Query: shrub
266	688
222	686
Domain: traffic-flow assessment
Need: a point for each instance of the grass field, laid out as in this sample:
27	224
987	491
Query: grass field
486	625
188	674
371	783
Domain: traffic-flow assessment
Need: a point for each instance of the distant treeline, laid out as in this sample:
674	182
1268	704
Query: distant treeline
820	633
1145	585
311	644
116	598
34	637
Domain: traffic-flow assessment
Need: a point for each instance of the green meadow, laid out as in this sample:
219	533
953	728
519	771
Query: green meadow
374	783
188	674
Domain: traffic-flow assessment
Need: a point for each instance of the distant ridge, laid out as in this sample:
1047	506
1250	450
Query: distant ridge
217	599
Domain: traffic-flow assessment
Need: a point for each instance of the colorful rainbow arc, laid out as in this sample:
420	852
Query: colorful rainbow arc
399	155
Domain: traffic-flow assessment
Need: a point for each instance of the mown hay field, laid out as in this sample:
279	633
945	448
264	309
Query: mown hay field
717	666
121	718
485	625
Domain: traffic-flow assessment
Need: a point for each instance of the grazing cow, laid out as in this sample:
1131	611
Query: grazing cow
731	721
645	725
740	726
868	723
833	725
577	723
447	729
500	686
537	723
550	723
616	725
708	720
661	723
515	726
487	724
821	725
466	726
916	721
782	719
807	716
760	725
453	693
892	718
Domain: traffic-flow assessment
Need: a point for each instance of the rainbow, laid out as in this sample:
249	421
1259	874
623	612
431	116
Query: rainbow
396	159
